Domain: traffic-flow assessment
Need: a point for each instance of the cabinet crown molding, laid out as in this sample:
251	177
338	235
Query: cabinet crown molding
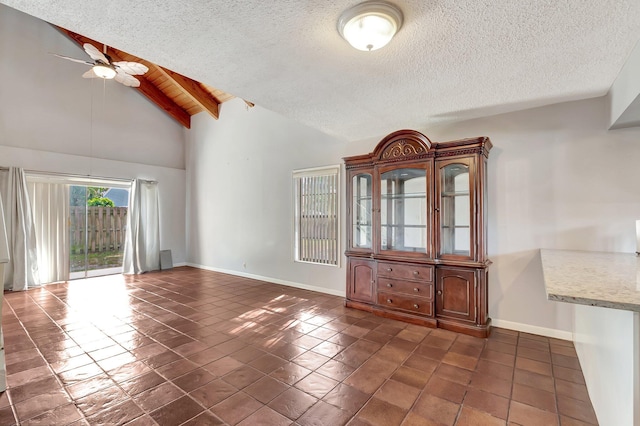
401	145
412	145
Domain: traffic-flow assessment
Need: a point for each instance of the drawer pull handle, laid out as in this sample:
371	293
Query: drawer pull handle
389	269
416	289
439	292
415	306
389	285
415	272
389	301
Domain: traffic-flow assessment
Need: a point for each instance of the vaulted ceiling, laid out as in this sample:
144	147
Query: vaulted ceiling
451	60
179	96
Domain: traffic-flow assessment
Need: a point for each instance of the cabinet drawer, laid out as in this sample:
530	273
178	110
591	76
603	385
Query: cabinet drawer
414	288
412	304
405	272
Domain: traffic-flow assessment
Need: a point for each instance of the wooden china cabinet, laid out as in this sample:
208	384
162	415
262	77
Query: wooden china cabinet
417	241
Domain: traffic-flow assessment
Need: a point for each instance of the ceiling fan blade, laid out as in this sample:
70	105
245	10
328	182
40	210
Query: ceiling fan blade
133	68
126	79
89	74
72	59
95	54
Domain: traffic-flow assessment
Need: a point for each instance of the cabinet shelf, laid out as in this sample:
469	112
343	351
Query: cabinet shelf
455	194
396	225
403	196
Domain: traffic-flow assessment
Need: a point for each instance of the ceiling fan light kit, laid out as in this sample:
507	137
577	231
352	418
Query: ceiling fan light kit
104	71
103	67
370	25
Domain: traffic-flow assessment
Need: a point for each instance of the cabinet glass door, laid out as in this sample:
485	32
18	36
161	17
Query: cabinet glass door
362	209
455	210
403	210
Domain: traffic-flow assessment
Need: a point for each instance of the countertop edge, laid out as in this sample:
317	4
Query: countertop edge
593	302
550	273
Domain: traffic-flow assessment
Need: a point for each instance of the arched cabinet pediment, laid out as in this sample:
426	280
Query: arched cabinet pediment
416	215
402	145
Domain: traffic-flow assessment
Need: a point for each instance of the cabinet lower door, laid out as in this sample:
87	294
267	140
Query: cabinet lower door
361	280
455	293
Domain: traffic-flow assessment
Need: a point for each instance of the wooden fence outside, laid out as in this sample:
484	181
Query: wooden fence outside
104	227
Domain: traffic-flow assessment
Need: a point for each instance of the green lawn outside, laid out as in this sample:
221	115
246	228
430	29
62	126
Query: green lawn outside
101	260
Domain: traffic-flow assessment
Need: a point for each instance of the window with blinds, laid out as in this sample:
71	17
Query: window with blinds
317	213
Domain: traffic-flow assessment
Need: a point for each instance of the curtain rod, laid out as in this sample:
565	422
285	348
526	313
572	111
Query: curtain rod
79	176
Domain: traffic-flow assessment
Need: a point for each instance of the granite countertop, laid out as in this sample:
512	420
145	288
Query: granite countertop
609	280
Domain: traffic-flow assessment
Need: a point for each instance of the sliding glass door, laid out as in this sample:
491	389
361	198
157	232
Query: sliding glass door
97	224
79	224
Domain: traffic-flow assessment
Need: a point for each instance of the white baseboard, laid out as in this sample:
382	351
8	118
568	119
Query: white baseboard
175	265
532	329
341	293
510	325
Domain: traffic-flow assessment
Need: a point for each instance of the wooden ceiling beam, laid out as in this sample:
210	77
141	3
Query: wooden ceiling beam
165	103
147	89
194	91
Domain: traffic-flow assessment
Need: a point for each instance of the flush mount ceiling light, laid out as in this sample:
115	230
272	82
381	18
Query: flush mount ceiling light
370	25
103	71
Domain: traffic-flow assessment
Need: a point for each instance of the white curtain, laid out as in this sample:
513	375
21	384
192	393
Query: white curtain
50	207
4	243
142	245
21	272
4	258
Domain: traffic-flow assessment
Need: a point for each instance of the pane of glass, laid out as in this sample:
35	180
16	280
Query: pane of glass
77	229
97	218
462	241
362	208
461	210
403	210
455	210
316	219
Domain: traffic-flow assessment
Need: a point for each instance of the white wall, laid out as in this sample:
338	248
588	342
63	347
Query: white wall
239	202
46	105
624	95
51	119
557	179
606	341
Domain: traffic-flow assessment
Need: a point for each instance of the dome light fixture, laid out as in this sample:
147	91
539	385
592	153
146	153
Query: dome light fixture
104	71
370	25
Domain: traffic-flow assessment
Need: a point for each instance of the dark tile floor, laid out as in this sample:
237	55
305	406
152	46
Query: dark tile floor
195	347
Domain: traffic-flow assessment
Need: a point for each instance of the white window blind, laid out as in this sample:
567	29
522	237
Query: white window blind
317	215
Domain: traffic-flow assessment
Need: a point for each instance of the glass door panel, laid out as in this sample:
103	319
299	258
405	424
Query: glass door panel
97	224
77	231
455	210
403	210
362	209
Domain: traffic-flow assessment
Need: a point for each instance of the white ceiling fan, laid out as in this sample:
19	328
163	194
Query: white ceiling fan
103	67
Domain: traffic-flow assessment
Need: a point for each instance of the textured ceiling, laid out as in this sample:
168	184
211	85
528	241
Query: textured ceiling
452	59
